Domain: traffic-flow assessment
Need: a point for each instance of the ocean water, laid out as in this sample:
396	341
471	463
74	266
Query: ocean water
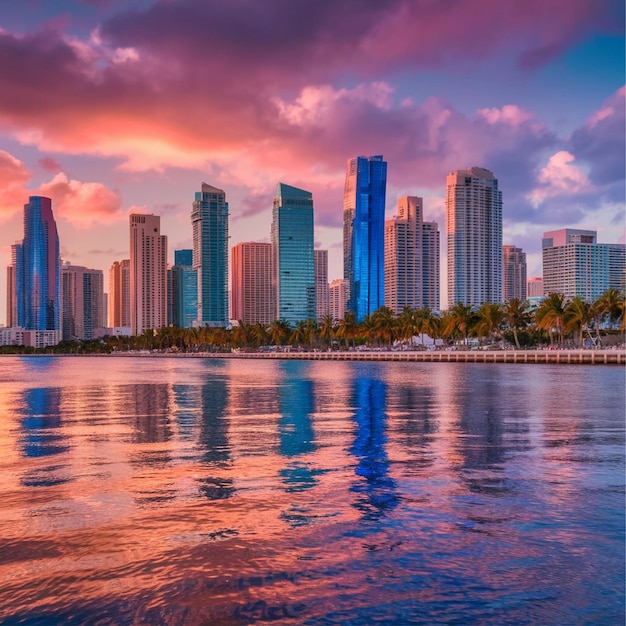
187	491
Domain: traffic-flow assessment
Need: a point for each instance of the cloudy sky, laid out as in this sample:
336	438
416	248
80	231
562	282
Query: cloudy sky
115	106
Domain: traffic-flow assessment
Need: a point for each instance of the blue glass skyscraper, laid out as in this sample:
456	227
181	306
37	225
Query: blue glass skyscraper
38	268
209	219
364	233
292	248
184	290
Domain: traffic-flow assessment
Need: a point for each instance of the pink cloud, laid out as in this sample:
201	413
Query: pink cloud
560	177
82	203
13	177
48	164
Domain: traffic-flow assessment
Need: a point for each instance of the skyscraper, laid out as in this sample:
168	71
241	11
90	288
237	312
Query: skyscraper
37	264
474	229
148	274
183	290
411	258
321	283
338	295
431	288
209	219
574	264
252	293
83	301
292	249
534	287
119	294
364	233
514	273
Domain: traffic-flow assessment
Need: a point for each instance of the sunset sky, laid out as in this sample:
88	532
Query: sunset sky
115	106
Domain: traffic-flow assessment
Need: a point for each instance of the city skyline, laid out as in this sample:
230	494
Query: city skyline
534	93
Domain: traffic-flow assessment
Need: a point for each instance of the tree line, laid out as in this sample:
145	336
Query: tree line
555	322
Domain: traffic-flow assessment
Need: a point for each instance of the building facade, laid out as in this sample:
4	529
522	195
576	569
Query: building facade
534	287
293	256
119	294
364	233
148	274
83	302
209	220
321	283
252	295
513	273
474	233
574	264
411	258
431	263
37	270
338	296
183	290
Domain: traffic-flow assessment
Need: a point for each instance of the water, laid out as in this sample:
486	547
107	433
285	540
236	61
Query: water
193	491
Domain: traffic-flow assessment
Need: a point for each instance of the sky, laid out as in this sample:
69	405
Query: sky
117	106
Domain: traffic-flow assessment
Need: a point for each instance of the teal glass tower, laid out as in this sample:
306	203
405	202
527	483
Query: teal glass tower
209	219
38	268
364	234
292	249
184	290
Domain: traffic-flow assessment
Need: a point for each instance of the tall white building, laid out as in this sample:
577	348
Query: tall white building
474	232
411	258
148	274
514	273
320	258
338	296
82	291
574	264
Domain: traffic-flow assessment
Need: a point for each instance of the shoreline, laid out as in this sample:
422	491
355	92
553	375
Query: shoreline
561	357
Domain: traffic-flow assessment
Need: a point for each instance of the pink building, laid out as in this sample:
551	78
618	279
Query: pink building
252	297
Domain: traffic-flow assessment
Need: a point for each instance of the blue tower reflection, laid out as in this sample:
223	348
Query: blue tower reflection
216	452
41	436
376	493
295	427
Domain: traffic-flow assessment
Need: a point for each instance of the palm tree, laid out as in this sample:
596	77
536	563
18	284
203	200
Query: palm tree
517	317
279	332
383	325
577	316
462	318
489	318
258	334
408	323
610	306
348	328
327	329
549	315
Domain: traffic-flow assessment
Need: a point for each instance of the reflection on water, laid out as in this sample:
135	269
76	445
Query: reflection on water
194	491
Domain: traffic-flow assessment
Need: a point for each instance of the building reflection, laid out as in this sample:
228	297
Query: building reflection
41	424
213	439
295	426
151	412
376	491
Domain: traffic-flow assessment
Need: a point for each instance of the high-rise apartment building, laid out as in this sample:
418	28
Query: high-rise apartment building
321	283
35	300
574	264
293	257
13	317
474	231
514	273
364	233
83	302
534	287
148	274
431	262
411	258
251	291
338	295
119	294
182	290
209	219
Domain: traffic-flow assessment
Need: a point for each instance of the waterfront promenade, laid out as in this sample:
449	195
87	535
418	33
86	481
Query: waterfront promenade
572	357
